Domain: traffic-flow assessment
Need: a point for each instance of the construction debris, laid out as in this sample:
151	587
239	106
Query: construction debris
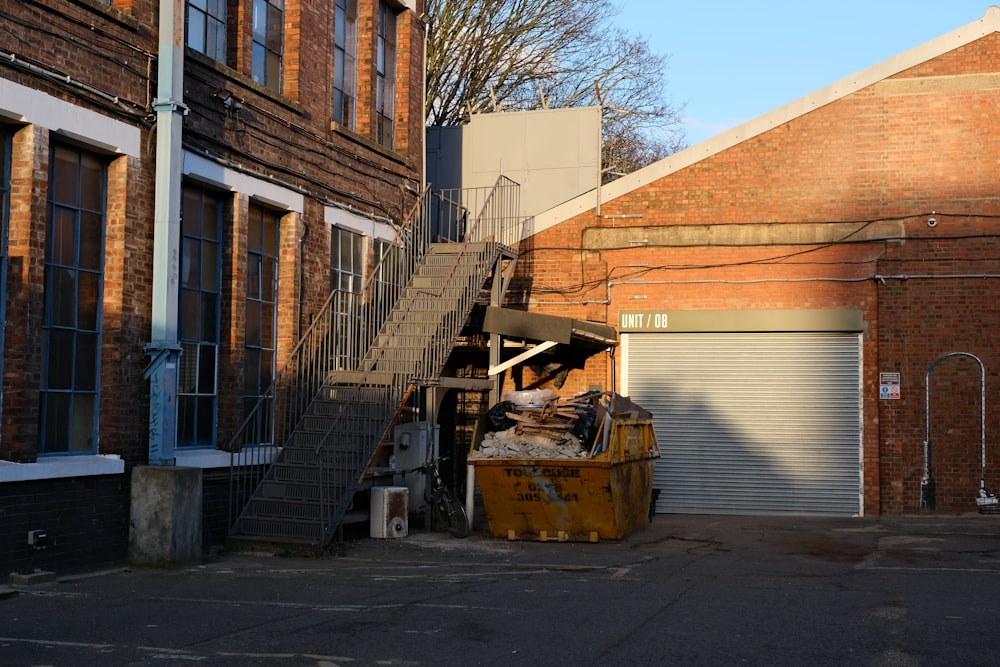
510	444
540	425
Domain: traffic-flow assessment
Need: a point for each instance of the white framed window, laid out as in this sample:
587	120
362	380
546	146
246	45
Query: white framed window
345	55
268	42
261	307
74	284
385	77
200	306
206	28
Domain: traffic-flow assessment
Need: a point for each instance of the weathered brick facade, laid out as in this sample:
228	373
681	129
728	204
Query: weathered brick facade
275	147
825	204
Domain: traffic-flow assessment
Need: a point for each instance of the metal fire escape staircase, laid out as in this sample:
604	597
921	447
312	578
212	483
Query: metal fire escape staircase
305	450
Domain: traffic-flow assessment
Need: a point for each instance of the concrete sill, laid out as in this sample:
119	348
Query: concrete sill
216	458
56	467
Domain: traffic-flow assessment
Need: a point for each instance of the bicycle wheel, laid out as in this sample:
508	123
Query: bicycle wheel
451	514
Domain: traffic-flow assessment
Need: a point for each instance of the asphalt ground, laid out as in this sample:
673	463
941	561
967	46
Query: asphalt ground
688	590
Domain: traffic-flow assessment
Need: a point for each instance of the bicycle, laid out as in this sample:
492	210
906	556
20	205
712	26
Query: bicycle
445	508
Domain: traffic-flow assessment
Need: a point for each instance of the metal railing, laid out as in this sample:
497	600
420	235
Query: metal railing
341	345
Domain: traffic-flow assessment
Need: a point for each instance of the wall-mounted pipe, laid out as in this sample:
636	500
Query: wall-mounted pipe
164	346
928	500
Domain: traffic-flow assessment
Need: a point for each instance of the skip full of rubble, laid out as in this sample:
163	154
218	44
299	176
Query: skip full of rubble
540	424
510	444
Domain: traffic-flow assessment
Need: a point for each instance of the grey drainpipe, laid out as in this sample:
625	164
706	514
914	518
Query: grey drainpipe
164	346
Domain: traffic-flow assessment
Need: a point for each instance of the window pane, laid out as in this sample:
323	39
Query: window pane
273	69
83	423
217	40
267	279
186	424
341	109
206	369
338	76
210	218
209	309
59	359
62	297
88	297
210	266
267	325
62	237
86	362
190	308
190	266
253	323
253	277
206	420
275	19
260	20
187	372
270	236
196	22
254	229
258	64
91	182
191	211
359	253
90	240
65	178
345	253
251	386
56	416
266	366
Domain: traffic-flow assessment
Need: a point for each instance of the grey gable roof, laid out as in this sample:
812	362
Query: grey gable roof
989	23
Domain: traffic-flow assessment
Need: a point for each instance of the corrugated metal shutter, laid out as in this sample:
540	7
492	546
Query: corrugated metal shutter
752	423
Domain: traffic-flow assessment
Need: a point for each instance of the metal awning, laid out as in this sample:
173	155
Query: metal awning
547	330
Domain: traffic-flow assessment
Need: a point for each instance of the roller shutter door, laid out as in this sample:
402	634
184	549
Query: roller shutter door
752	423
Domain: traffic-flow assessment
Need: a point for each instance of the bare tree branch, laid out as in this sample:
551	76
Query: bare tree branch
515	55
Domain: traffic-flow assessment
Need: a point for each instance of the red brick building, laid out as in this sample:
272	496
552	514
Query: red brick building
784	290
300	150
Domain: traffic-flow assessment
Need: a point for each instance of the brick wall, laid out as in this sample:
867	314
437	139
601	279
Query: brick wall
86	519
807	215
283	138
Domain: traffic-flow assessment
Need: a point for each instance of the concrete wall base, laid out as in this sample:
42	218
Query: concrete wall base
166	511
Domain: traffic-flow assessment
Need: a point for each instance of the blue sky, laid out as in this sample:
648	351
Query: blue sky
733	61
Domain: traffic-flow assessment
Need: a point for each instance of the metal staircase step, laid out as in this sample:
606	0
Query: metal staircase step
278	507
301	492
308	456
412	294
347	424
434	281
266	528
336	475
340	438
335	401
360	378
299	455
